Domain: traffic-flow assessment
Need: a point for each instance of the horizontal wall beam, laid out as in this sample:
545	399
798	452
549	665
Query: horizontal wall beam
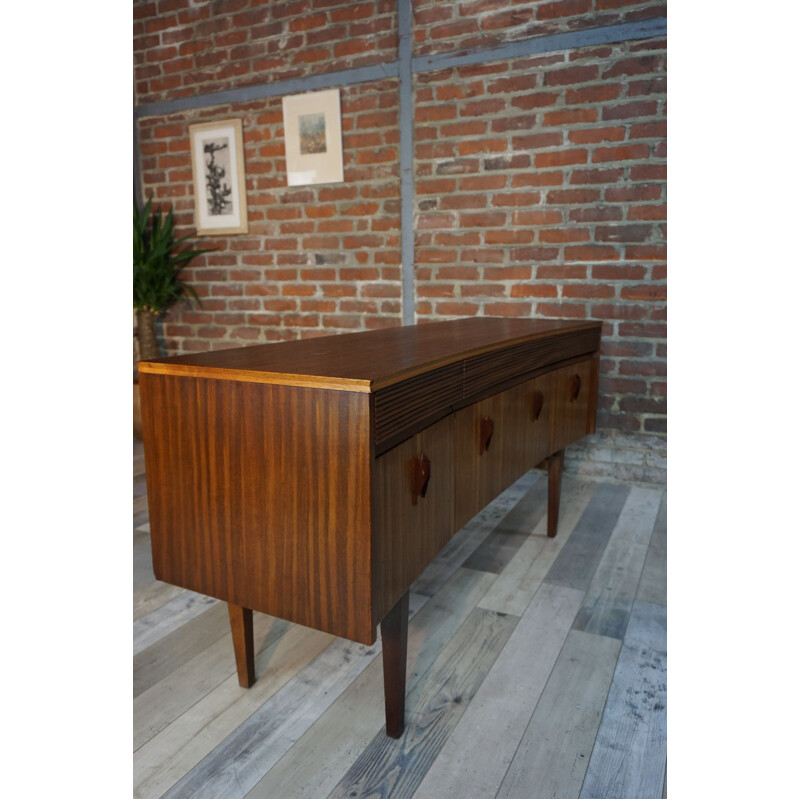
311	83
535	45
551	43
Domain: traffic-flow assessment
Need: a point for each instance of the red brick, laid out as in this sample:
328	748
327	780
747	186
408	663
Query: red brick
621	153
588	291
594	94
483	290
592	135
591	253
561	310
634	192
570	116
534	290
633	66
622	233
516	199
458	239
457	309
649	172
533	254
647	212
526	102
509	236
561	235
639	108
544	216
482	255
536	140
434	256
549	178
596	214
594	176
486	219
653	252
471	147
458	201
507	19
561	158
568	75
563	8
481	183
561	272
508	309
571	196
647	292
480	107
516	84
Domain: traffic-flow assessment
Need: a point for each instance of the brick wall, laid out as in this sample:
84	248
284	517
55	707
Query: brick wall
182	47
443	27
316	259
540	184
541	191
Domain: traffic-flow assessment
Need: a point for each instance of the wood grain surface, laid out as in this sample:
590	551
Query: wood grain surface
368	361
260	495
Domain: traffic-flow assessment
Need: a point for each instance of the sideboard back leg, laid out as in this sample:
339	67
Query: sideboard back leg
394	634
554	466
242	631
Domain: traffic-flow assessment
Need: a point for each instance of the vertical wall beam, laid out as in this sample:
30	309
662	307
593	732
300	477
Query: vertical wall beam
404	29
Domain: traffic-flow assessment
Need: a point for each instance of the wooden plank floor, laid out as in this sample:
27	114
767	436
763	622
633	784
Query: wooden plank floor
536	668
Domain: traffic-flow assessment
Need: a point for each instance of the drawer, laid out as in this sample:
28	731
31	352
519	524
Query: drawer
570	409
490	451
412	523
535	398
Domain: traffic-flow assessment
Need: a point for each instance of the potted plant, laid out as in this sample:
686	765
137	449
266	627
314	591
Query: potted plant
158	258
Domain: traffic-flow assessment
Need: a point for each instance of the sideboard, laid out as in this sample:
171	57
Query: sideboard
314	480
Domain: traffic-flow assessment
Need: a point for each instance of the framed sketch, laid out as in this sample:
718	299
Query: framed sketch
312	125
220	201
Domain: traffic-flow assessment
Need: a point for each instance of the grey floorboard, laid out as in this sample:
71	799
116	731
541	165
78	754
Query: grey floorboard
578	559
502	544
630	754
653	584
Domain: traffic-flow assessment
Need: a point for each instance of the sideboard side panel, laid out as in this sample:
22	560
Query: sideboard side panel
260	495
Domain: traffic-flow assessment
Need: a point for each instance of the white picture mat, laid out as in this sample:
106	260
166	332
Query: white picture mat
305	168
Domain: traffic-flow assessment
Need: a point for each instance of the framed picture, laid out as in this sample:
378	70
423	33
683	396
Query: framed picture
220	201
312	125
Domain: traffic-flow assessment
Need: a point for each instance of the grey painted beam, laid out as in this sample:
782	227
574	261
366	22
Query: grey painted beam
545	44
345	77
404	31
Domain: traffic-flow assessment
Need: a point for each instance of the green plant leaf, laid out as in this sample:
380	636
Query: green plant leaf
157	260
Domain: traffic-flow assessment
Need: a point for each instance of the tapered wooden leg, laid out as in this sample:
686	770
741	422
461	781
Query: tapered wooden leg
394	633
242	631
554	466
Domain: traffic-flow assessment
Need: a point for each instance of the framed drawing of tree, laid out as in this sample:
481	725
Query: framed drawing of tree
220	200
312	126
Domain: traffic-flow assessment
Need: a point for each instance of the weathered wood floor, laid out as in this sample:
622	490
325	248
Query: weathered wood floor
537	668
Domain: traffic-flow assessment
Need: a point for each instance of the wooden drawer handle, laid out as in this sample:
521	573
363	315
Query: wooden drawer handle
575	388
420	476
538	403
487	429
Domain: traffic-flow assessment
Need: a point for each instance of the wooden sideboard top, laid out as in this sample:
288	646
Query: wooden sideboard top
366	361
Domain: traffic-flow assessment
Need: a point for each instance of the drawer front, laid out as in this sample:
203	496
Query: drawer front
535	402
490	451
569	411
413	510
